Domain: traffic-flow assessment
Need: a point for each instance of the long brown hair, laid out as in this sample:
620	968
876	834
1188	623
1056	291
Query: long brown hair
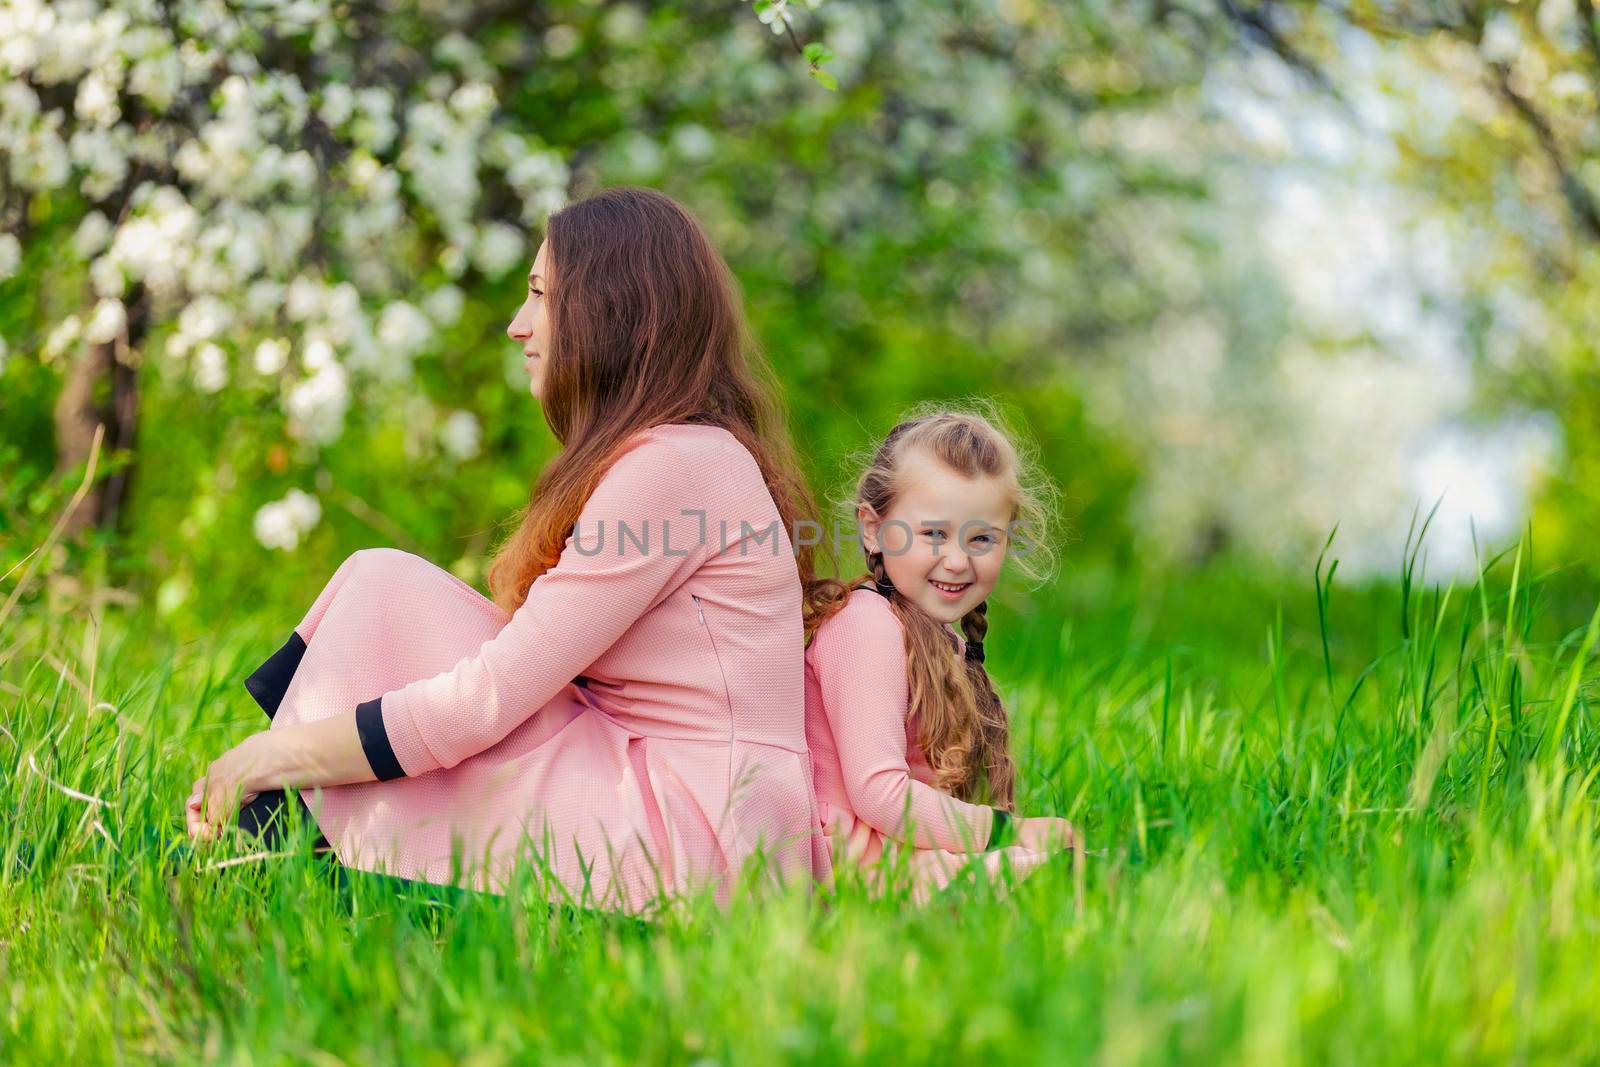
646	328
960	721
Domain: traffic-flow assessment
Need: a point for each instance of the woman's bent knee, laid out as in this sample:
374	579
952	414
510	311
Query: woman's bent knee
405	578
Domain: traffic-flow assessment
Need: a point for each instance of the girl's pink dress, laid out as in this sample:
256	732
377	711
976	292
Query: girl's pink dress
639	717
873	782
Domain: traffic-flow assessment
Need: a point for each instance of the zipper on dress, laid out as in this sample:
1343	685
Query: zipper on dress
727	694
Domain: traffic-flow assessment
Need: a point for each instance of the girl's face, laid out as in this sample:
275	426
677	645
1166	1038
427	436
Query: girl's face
531	325
945	538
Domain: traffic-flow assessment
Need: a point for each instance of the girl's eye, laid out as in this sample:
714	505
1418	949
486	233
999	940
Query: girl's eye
984	538
535	292
934	533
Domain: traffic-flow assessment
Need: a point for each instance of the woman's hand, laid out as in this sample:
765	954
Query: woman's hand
234	778
1046	833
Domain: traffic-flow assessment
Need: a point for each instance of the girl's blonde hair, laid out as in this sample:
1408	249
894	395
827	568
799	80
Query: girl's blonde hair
961	724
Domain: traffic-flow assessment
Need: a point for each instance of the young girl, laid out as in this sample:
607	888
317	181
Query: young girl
909	741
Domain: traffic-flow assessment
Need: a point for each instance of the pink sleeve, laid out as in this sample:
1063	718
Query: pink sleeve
860	660
574	612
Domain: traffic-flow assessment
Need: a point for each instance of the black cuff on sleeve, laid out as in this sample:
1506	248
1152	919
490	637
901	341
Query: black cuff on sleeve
375	740
270	681
999	830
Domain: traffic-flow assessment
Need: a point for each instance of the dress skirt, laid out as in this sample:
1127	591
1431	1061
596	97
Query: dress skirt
570	791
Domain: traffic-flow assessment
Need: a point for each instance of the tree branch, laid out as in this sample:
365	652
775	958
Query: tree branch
1579	199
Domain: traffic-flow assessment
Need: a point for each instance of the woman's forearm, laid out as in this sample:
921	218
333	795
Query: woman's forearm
325	752
297	756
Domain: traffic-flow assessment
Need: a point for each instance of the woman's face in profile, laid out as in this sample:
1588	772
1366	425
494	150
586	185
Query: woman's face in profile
530	327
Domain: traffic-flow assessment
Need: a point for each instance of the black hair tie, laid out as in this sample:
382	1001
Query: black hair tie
885	586
975	651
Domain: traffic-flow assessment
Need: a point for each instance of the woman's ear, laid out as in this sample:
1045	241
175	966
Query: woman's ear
870	522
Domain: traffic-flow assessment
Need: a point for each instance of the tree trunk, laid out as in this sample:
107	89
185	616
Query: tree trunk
102	389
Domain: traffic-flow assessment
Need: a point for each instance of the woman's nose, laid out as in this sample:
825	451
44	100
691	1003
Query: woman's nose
520	328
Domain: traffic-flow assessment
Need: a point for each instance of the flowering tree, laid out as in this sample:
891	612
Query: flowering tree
263	197
291	206
1494	122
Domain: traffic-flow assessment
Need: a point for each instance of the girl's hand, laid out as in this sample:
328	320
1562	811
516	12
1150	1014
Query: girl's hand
1046	833
234	778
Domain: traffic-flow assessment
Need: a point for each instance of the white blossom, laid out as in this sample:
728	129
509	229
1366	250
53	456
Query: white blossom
474	102
317	405
39	158
693	141
10	255
776	14
210	369
374	127
303	299
97	101
561	41
105	275
157	79
444	304
66	332
299	171
92	234
271	356
499	248
403	328
460	435
642	154
107	322
205	318
342	302
461	51
1502	39
453	259
540	178
623	22
263	298
317	354
282	523
338	104
1570	86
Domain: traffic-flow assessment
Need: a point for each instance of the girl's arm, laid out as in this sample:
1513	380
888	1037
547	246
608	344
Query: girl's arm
860	661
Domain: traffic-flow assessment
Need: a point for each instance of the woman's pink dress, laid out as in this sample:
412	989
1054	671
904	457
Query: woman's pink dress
639	717
873	783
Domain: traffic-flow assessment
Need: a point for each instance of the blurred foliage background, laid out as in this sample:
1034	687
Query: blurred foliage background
1245	270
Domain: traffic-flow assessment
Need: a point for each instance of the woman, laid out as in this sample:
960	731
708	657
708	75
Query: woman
633	698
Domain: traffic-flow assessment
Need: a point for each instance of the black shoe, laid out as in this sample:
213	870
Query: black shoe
267	817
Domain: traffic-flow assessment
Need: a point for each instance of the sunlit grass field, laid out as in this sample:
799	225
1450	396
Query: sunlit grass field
1327	823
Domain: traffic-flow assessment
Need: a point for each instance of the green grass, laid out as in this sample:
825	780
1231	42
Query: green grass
1328	824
